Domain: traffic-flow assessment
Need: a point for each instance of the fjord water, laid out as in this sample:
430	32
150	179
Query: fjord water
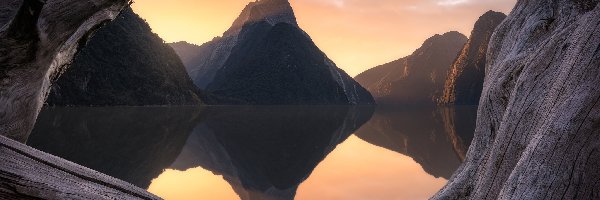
302	152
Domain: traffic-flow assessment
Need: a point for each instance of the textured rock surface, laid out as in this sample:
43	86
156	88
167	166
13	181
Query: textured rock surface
132	144
26	173
465	78
37	40
418	78
538	128
436	138
266	59
246	145
124	63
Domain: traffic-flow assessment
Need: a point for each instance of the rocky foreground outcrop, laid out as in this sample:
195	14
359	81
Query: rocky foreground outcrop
266	59
465	77
125	64
418	78
538	127
27	173
37	40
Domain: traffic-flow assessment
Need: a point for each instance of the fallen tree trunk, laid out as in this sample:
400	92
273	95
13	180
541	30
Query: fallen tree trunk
37	40
538	126
26	173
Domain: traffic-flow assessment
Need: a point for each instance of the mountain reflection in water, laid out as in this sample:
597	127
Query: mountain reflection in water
264	152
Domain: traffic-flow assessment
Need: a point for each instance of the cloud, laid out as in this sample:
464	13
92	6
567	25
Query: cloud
338	3
451	2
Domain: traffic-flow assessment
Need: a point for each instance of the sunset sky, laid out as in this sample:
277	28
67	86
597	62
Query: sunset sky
356	34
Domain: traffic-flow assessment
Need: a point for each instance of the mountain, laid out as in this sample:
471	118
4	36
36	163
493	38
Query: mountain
29	59
418	78
266	59
186	52
124	63
538	124
465	78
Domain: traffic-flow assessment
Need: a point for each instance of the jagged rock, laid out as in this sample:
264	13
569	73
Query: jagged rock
37	40
27	173
465	78
418	78
266	59
125	64
538	127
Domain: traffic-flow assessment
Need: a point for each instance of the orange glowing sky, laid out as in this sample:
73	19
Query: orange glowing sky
356	34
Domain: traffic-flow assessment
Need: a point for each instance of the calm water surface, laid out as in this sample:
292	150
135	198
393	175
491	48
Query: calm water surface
265	152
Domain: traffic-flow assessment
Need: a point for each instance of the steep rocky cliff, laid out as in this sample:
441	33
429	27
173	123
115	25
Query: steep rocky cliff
418	78
266	59
38	39
465	77
124	63
538	127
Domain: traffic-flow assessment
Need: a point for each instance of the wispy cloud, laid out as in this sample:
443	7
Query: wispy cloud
338	3
451	2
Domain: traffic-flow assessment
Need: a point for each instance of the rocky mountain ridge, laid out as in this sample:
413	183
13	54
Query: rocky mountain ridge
465	77
266	59
418	78
124	64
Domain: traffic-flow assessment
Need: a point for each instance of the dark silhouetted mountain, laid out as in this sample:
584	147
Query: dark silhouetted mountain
124	63
436	138
266	59
134	144
418	78
187	52
266	152
465	78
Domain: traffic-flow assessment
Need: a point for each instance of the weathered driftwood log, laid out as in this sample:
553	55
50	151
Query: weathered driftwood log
538	128
37	39
26	173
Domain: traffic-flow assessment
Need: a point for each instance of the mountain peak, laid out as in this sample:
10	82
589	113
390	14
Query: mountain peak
271	11
487	20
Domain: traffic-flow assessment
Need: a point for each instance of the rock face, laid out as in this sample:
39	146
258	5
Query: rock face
246	145
465	78
27	173
266	59
418	78
37	40
124	63
538	127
